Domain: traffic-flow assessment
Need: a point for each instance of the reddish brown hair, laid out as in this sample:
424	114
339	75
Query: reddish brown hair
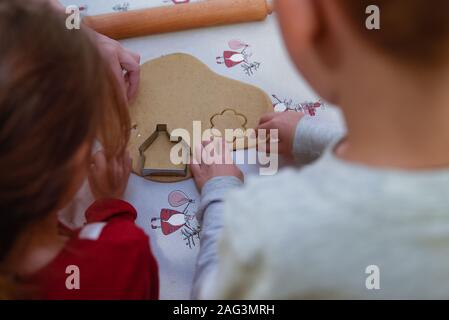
56	94
411	30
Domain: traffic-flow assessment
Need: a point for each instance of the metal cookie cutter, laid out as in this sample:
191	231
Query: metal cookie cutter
170	172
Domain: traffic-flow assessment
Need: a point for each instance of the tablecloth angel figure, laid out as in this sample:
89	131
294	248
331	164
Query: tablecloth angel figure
170	220
309	108
239	56
121	7
177	1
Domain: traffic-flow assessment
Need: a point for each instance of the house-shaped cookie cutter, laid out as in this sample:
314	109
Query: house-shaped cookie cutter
148	172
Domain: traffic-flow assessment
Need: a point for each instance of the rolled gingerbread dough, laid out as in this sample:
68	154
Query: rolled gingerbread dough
176	90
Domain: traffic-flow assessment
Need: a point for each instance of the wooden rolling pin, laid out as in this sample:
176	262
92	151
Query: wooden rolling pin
179	17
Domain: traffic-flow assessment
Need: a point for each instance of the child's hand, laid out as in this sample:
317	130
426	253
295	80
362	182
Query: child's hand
124	63
109	180
213	161
286	123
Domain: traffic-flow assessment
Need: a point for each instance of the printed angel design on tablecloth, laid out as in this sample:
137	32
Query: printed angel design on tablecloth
171	221
309	108
121	7
177	1
239	54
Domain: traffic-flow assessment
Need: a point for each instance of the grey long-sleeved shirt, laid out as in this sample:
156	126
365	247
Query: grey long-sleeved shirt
333	229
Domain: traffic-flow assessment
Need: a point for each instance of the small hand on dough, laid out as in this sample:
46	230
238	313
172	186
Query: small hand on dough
285	123
212	160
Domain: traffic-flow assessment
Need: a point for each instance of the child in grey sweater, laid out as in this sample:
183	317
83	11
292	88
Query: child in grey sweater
369	217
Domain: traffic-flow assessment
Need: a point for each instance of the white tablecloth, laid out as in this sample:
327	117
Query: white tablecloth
266	65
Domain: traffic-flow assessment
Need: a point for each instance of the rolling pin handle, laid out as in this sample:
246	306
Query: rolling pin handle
164	19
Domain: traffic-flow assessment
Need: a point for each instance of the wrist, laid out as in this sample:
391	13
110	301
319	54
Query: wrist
224	180
215	190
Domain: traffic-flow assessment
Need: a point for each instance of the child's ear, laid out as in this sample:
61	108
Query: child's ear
311	42
299	23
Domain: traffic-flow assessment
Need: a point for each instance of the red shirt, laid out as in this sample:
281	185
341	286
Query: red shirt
113	257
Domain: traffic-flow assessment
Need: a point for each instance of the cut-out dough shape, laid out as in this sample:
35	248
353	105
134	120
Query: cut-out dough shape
229	119
178	89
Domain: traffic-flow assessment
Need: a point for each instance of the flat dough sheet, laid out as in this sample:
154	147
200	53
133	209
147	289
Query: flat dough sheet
178	89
